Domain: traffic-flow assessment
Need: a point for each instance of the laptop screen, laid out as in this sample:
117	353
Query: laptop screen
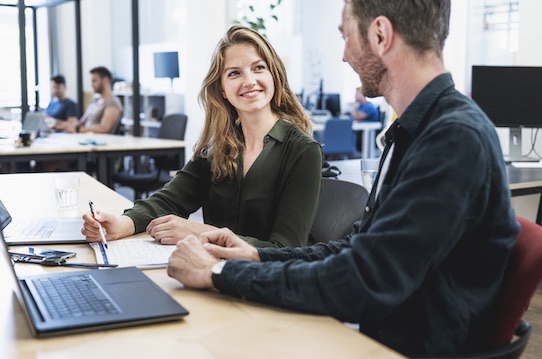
5	261
5	218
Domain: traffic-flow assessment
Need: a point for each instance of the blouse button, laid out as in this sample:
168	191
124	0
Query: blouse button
367	209
266	139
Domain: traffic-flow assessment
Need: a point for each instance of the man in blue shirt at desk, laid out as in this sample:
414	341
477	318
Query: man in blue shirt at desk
363	110
422	271
61	109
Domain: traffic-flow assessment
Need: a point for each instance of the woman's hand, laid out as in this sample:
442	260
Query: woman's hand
170	229
114	227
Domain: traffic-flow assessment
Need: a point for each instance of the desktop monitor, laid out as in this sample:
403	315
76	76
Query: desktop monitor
166	64
511	96
332	103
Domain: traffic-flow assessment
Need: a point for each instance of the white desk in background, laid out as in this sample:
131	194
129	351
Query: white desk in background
218	326
368	129
523	181
82	146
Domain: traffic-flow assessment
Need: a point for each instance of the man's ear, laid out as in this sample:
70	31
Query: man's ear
381	34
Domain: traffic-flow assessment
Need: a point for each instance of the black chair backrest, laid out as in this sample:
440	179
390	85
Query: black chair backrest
341	204
173	127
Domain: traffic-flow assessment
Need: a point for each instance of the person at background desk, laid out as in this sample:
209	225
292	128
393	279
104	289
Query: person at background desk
363	110
423	269
103	114
62	109
256	169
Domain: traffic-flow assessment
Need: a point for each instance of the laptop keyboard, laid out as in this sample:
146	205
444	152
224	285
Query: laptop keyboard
73	296
32	228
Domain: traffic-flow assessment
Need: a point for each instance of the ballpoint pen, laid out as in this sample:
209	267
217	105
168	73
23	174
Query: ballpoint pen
100	229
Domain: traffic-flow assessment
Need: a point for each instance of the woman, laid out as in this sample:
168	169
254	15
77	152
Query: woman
255	168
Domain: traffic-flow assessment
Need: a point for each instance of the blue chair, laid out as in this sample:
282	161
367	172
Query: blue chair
338	137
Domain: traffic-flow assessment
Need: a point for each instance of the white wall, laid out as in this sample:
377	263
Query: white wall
306	38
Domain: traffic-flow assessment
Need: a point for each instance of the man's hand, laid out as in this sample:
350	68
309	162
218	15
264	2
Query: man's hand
170	229
191	264
224	244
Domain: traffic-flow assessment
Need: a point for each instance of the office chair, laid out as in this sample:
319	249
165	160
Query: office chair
341	204
338	137
173	127
523	275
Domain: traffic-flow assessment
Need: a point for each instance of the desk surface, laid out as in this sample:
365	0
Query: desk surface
518	178
71	142
218	326
356	126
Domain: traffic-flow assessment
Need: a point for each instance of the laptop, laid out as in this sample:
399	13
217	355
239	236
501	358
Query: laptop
90	300
34	122
47	230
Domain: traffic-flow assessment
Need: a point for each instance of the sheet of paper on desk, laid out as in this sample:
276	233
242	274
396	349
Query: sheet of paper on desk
140	252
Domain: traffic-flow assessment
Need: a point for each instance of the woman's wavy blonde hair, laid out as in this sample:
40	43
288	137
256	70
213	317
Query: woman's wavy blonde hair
221	141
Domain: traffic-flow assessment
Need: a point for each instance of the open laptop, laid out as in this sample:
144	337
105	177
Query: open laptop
56	303
48	230
34	122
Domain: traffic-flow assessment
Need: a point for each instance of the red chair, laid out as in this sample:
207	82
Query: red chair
523	275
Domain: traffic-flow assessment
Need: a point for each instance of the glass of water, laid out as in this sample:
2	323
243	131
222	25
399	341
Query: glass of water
66	187
369	169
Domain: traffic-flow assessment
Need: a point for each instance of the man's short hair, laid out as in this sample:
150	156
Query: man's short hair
102	72
58	79
423	24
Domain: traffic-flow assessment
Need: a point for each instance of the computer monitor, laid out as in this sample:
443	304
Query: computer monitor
166	64
332	103
511	96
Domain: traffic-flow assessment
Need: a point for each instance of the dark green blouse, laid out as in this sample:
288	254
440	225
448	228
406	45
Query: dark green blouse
273	205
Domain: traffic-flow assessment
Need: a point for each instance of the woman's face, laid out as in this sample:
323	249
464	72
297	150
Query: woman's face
246	80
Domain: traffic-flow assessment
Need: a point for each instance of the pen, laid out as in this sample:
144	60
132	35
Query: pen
100	229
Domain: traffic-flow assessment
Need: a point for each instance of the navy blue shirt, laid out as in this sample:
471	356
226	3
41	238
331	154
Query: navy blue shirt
422	271
61	109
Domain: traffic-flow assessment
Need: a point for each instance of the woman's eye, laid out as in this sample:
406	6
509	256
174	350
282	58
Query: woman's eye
233	73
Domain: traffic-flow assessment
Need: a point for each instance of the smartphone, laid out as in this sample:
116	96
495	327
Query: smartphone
40	253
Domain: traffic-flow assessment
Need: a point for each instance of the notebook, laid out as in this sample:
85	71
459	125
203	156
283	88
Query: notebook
48	230
143	253
90	300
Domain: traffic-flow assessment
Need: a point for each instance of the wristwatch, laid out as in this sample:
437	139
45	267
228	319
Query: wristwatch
216	269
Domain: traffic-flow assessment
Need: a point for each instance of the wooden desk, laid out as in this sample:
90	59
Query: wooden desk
367	128
218	326
522	181
63	146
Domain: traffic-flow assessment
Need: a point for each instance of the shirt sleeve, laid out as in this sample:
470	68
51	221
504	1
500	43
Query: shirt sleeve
379	269
298	201
181	196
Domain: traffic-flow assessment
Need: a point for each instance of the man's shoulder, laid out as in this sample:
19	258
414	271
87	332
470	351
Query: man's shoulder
112	101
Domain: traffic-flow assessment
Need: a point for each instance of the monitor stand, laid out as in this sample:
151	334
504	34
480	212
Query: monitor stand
516	148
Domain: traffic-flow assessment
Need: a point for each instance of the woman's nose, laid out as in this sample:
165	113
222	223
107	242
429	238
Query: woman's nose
249	81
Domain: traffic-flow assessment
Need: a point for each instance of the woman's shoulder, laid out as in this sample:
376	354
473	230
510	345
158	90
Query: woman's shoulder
294	133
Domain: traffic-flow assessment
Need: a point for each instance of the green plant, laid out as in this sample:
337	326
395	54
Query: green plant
257	23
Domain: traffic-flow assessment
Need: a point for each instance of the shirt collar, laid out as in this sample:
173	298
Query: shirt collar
279	130
414	114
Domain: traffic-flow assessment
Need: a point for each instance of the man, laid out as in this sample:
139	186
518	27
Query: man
61	110
422	271
104	111
363	110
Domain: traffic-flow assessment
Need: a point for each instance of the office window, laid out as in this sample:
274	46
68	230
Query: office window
10	64
10	86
